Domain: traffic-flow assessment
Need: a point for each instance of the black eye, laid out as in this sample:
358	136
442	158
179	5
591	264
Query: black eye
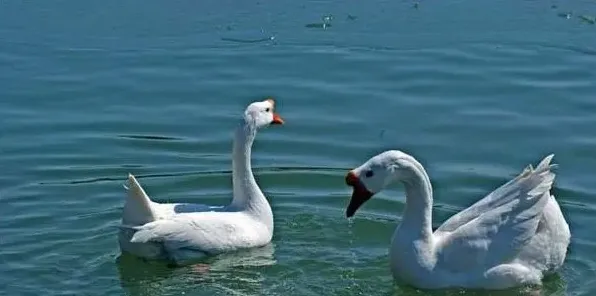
267	110
369	174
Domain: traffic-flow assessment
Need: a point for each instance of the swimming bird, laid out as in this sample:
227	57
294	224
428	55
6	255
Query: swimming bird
180	232
513	236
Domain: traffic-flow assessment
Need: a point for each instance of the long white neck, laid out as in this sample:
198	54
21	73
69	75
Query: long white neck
417	217
247	196
412	247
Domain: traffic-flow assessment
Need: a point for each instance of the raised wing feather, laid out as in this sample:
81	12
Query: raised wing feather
496	235
500	196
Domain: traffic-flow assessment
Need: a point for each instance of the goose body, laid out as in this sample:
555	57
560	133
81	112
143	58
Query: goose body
514	236
180	232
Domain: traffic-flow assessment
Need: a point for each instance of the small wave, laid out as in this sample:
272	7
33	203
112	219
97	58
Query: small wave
150	137
264	170
240	40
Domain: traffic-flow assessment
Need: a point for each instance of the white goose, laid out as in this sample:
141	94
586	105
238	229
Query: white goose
512	237
181	232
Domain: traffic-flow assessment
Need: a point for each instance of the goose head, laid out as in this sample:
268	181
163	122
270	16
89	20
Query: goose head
262	114
374	175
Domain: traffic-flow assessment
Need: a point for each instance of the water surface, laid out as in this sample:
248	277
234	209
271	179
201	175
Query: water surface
90	91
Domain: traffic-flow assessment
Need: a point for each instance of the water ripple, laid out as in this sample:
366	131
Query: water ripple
474	107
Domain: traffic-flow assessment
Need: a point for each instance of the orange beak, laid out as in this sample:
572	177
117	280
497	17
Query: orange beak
277	119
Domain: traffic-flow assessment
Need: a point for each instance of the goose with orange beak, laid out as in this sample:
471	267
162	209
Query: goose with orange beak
181	232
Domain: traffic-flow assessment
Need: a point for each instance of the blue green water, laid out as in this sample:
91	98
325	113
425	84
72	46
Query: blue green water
90	91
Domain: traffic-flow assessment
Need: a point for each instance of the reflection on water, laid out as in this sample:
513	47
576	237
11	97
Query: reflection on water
552	285
234	273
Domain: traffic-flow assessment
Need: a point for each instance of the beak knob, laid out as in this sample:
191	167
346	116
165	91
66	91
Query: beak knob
351	179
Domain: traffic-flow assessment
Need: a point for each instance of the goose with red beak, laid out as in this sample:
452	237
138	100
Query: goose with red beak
513	236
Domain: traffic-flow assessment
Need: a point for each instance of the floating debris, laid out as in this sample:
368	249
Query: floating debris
352	17
566	15
324	25
416	4
553	6
318	25
588	19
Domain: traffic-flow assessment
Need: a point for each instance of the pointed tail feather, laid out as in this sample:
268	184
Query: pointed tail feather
545	163
138	207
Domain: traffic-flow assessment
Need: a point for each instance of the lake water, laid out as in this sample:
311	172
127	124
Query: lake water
92	90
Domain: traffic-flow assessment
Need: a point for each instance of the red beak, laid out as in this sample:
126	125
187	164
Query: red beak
359	194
